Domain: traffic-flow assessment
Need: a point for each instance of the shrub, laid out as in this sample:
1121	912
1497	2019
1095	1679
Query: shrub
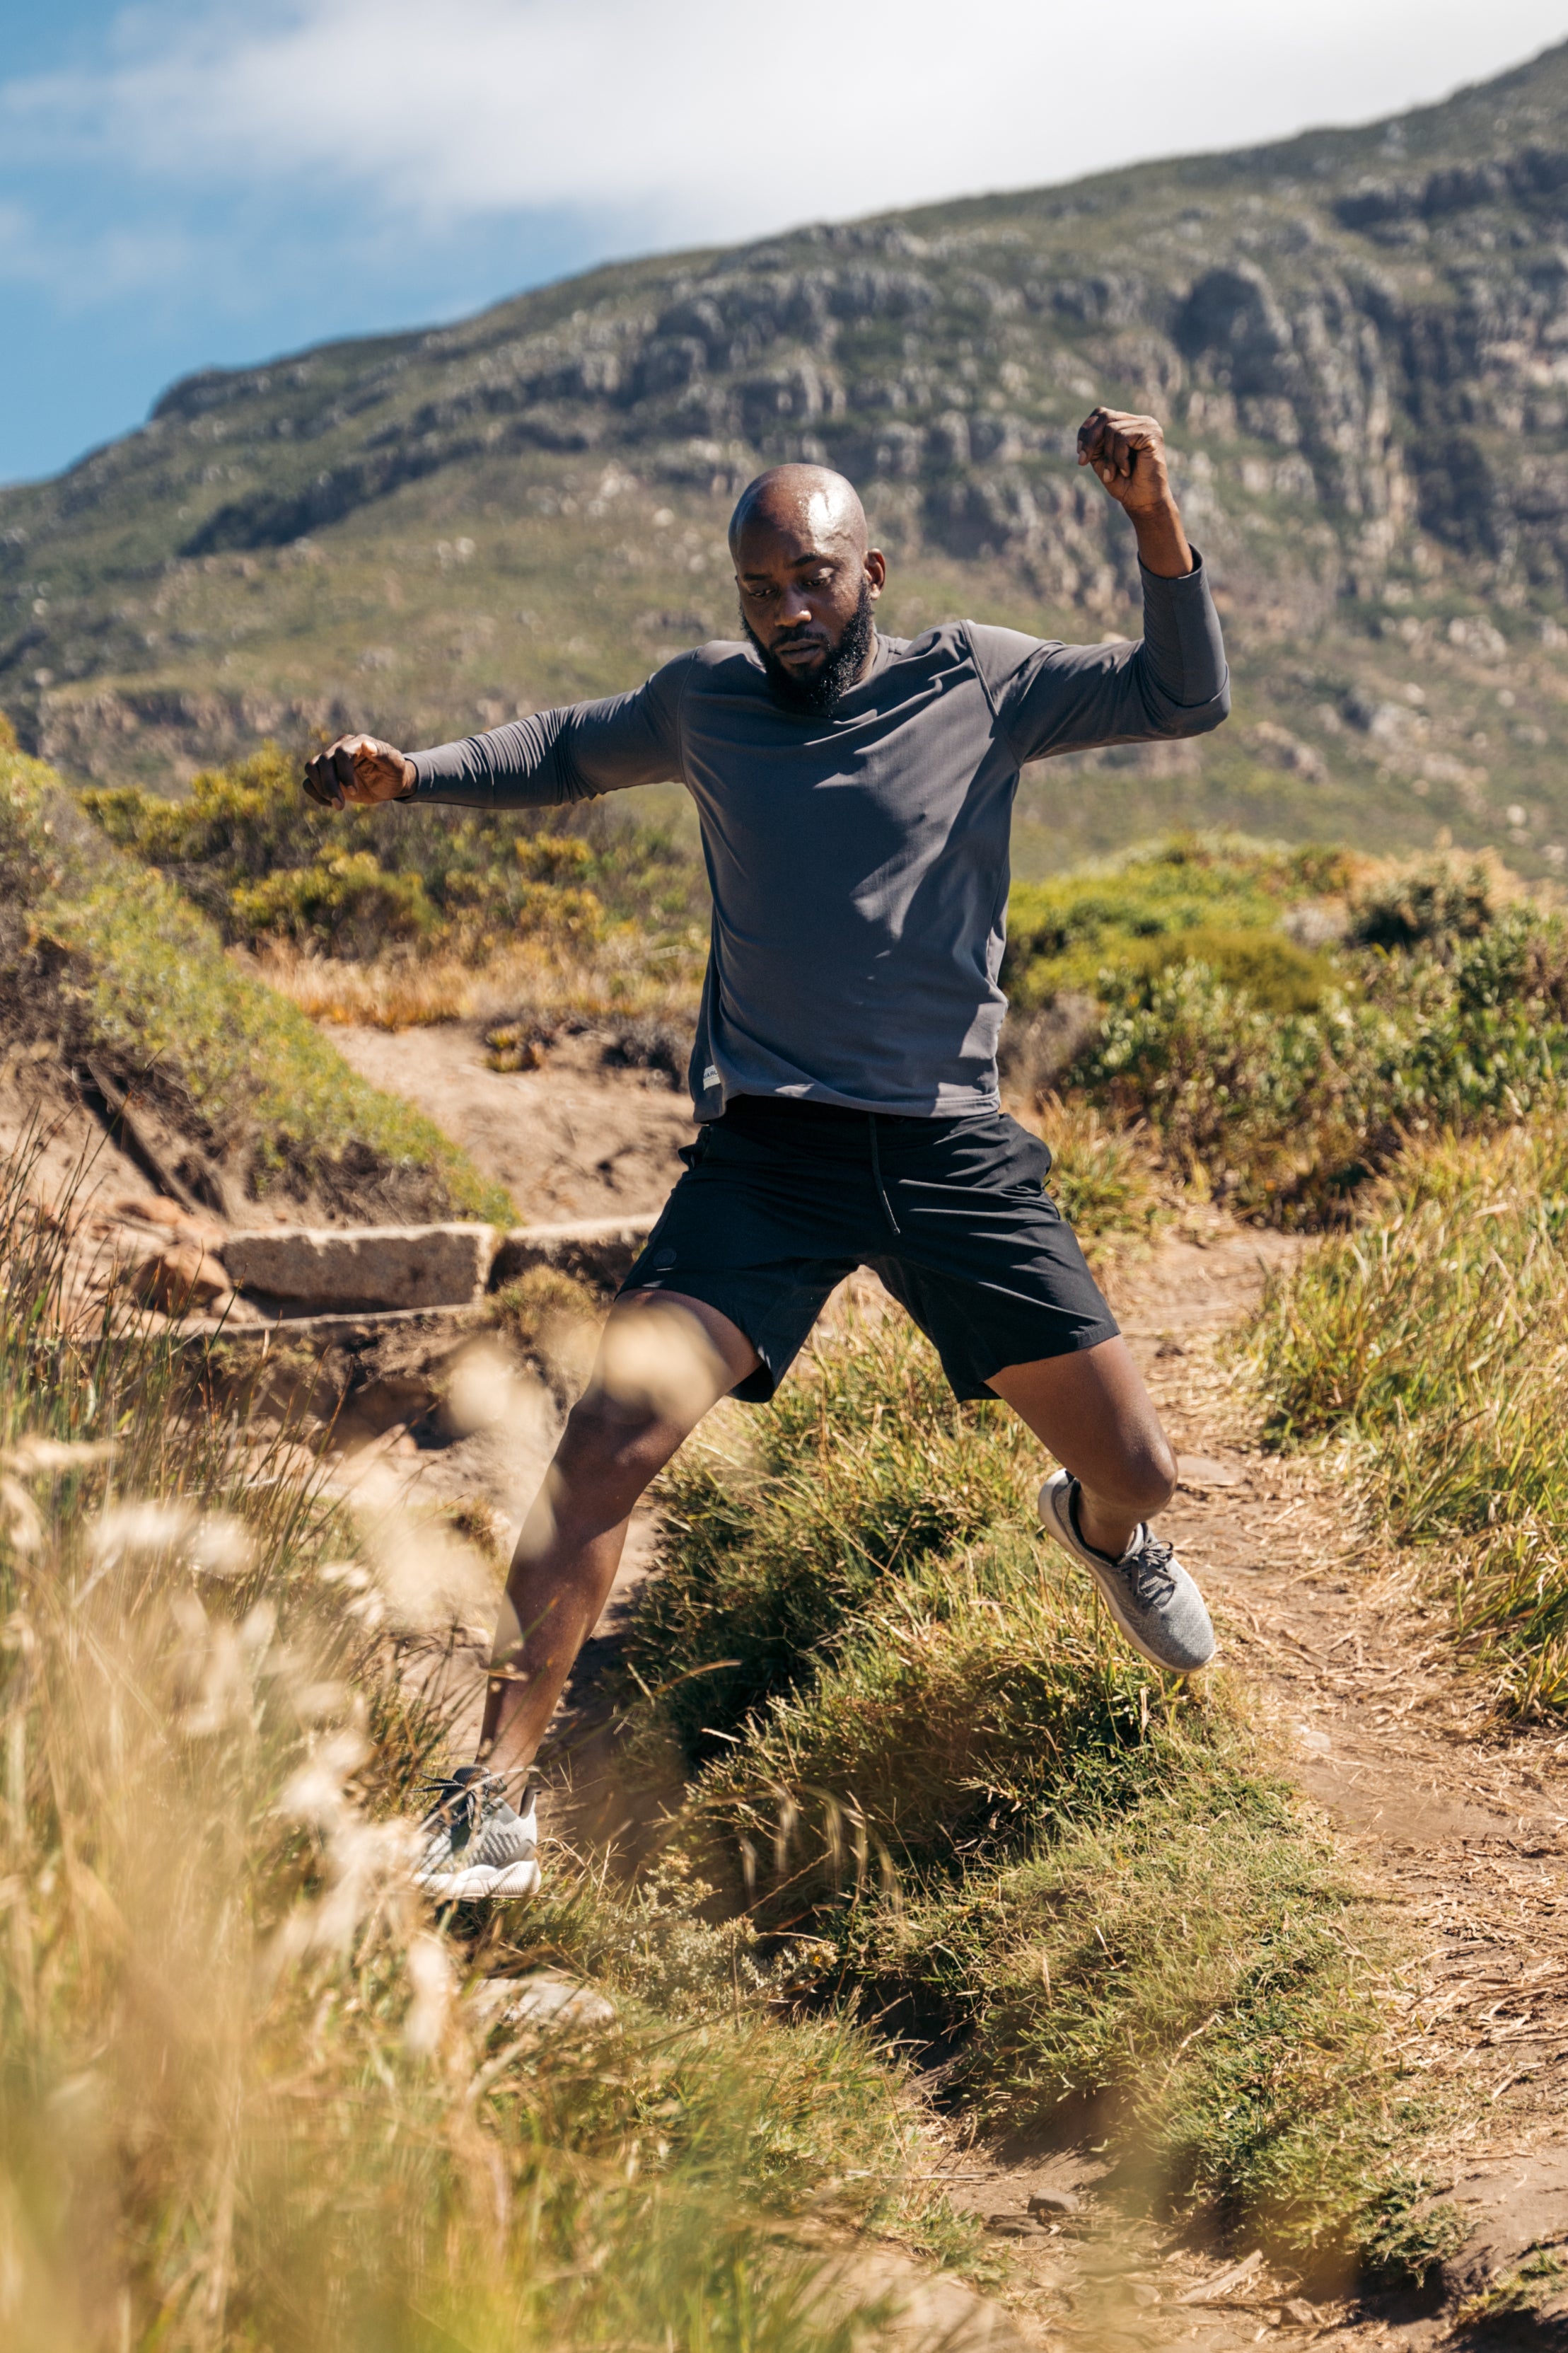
346	903
1435	901
266	864
1137	911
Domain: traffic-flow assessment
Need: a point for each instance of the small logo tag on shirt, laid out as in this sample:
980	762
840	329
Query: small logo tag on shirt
711	1075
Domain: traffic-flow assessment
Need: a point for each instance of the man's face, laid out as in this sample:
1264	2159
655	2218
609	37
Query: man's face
802	582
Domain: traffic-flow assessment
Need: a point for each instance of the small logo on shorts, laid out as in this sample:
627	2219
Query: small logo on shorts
663	1262
711	1075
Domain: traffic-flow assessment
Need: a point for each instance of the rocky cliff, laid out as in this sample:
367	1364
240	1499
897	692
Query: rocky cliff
1358	340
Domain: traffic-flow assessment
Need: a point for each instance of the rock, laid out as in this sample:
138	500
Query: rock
1297	2309
541	1999
599	1251
180	1281
1053	2202
1197	1473
153	1211
364	1266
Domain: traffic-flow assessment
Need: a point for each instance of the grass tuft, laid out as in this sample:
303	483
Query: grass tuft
1433	1341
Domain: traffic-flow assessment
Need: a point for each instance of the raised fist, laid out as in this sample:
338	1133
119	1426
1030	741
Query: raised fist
1128	454
357	770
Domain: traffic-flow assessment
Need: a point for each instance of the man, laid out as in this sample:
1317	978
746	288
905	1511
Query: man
855	794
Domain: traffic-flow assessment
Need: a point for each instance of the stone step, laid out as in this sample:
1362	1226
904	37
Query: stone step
599	1251
348	1266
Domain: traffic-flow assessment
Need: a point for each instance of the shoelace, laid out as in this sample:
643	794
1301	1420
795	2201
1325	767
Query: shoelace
462	1799
1148	1572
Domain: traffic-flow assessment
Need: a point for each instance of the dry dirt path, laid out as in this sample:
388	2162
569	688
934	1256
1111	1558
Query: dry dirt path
575	1139
1463	1821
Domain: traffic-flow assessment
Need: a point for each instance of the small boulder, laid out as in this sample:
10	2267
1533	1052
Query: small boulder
1053	2202
180	1279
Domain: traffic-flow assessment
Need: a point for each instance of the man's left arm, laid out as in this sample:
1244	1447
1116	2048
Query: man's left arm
1173	682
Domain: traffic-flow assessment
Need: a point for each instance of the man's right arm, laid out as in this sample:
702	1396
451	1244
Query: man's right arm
546	761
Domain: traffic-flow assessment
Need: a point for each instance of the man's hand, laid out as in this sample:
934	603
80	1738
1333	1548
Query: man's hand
1128	454
357	770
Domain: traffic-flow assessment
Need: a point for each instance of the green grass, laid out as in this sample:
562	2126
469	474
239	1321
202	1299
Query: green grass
120	963
1432	1340
1014	1844
1215	898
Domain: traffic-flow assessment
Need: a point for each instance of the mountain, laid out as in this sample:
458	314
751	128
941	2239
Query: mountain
1358	340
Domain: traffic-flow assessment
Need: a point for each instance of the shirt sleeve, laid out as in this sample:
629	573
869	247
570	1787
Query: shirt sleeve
559	756
1056	698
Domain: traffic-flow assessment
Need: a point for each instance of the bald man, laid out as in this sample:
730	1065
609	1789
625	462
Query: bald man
855	794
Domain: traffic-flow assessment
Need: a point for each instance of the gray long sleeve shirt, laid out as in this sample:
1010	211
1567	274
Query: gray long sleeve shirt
858	863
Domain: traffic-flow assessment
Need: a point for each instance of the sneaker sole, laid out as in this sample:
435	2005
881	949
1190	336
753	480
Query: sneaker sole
1053	1525
483	1884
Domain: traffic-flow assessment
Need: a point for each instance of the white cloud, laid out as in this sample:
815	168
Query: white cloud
709	118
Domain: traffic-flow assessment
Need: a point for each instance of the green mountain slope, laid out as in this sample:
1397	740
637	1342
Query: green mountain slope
1358	340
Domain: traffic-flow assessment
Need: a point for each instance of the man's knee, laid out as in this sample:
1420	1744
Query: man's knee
603	1450
1147	1474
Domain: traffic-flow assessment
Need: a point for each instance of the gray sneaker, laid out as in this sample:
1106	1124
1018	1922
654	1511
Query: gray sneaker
1147	1591
477	1848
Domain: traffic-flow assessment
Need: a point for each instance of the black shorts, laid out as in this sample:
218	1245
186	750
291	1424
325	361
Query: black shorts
782	1199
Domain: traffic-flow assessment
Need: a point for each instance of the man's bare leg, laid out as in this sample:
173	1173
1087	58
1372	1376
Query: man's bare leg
1097	1418
1094	1413
664	1362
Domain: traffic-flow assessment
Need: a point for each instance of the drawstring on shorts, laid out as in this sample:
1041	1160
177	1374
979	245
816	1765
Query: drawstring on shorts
876	1177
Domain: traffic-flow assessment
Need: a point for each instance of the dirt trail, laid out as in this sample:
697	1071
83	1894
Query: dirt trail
575	1139
1462	1822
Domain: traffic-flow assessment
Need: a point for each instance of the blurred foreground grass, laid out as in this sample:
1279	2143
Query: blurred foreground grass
247	2095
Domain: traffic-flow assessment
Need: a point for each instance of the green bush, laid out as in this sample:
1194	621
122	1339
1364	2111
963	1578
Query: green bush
1289	1111
345	903
1136	913
246	847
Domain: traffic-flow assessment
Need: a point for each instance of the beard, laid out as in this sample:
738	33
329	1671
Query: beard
825	690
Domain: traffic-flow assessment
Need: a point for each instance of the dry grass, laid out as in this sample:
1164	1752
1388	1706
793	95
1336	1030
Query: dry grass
1433	1339
247	2096
396	991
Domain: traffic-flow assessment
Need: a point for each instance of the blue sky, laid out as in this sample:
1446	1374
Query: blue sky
191	183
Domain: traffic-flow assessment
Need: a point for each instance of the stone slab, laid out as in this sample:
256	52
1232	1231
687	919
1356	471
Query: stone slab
345	1267
599	1251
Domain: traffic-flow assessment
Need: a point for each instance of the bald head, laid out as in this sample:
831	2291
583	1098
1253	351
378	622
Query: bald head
807	581
809	502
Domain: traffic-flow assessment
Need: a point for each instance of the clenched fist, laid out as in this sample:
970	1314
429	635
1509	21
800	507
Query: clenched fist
357	770
1127	455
